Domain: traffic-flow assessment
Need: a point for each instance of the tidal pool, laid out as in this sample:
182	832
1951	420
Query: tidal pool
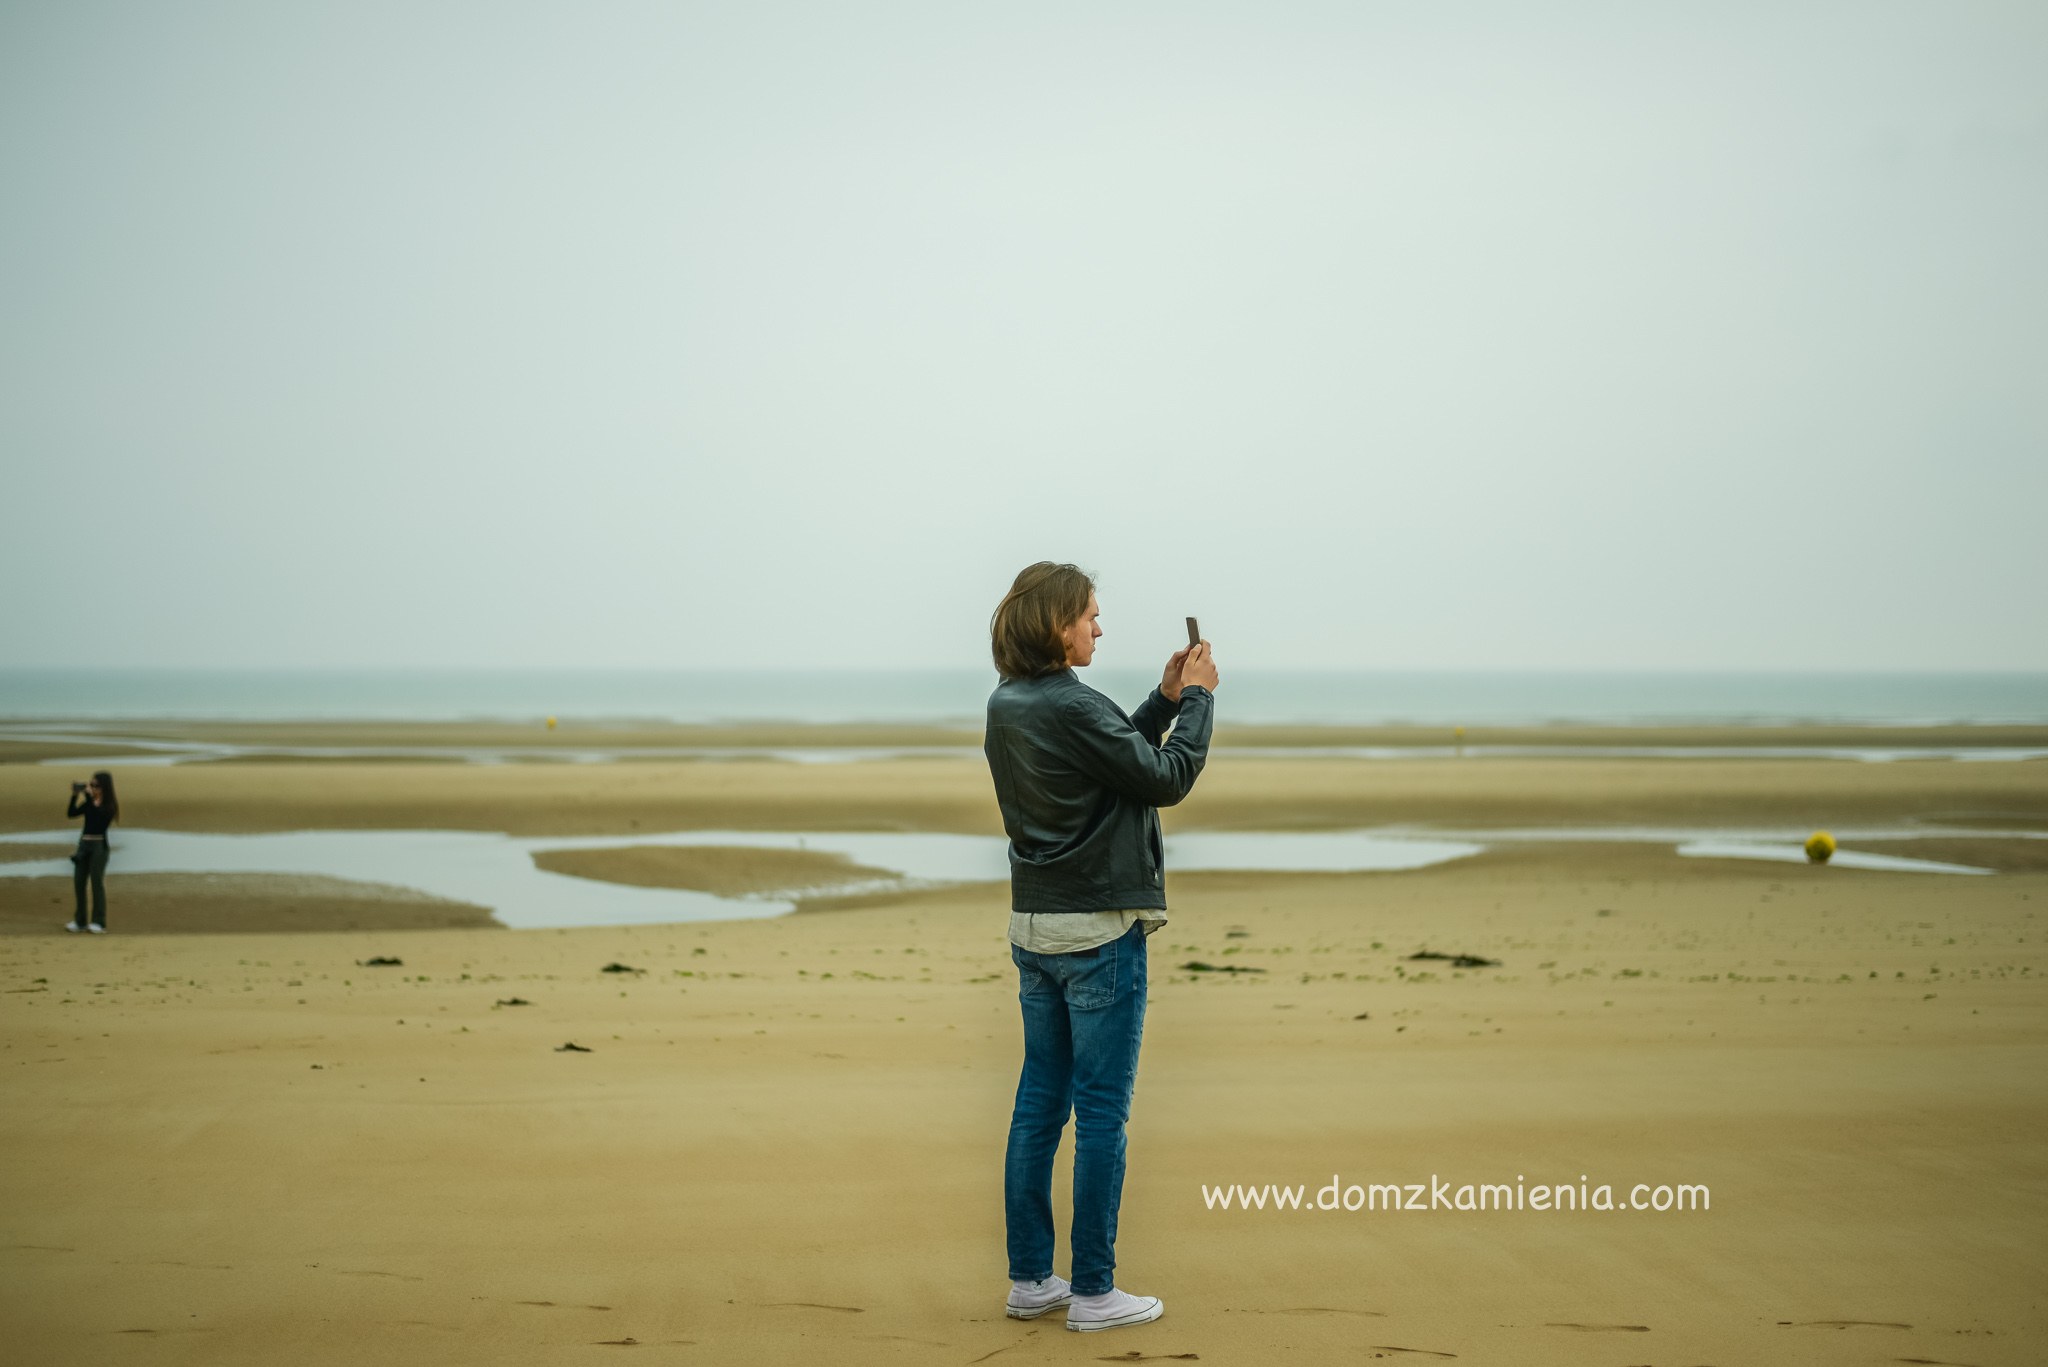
497	871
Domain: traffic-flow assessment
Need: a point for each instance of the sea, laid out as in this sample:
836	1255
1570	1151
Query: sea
959	696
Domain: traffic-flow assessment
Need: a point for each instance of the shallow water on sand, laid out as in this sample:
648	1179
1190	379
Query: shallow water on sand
497	871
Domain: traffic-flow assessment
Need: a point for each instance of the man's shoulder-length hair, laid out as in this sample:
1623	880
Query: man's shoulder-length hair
1024	634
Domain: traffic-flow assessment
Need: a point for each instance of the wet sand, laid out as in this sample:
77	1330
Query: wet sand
952	793
217	903
784	1144
22	852
727	871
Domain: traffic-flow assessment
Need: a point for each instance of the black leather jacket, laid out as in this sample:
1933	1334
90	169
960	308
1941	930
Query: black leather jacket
1079	782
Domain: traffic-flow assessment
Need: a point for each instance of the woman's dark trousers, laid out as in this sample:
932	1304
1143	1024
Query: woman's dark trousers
90	866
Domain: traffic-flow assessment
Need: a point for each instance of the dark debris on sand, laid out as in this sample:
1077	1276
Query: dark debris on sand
1456	960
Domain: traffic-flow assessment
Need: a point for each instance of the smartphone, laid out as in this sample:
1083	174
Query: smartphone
1194	633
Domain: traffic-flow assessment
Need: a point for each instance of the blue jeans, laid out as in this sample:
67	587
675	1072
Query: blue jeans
1083	1017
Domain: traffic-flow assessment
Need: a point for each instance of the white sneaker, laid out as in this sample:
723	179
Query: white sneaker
1112	1310
97	928
73	927
1029	1300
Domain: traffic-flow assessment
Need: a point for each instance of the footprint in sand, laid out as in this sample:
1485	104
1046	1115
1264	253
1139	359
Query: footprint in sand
1382	1349
1602	1328
352	1272
1135	1356
1845	1324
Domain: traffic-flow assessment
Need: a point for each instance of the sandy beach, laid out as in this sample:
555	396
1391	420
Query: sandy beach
244	1142
540	511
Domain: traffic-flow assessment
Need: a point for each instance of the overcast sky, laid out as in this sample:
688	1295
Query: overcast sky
1401	336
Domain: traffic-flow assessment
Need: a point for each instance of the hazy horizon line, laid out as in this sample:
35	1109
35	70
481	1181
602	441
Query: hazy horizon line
873	670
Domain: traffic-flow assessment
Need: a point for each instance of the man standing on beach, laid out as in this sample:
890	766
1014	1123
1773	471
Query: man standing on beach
1079	782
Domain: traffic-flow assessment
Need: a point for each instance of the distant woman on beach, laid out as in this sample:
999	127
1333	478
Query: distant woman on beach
1078	781
95	801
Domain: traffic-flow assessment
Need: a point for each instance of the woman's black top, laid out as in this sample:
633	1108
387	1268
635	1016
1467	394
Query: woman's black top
98	816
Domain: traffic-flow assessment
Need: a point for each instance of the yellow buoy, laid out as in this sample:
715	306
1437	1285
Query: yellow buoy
1819	846
551	723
